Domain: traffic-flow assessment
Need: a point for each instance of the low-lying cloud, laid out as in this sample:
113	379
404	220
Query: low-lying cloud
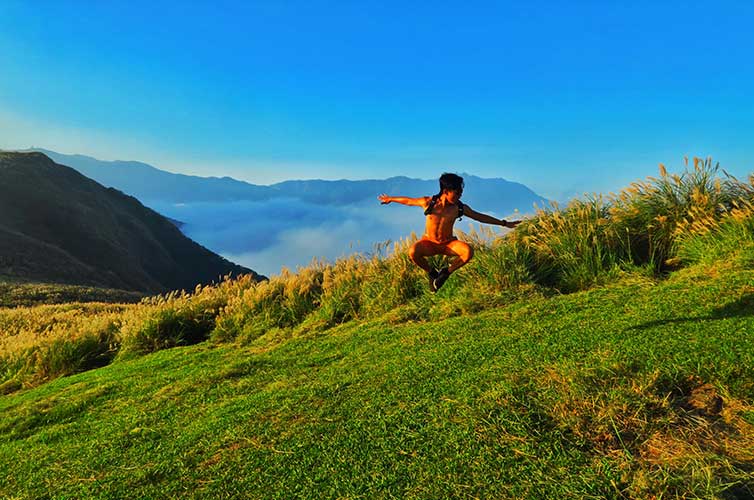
266	236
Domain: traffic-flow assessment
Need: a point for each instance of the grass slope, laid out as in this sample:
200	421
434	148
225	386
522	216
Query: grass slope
636	390
14	293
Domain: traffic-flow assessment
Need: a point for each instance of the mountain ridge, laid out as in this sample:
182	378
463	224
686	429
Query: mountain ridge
149	183
60	226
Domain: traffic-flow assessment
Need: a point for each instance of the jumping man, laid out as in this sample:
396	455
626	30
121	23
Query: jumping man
442	210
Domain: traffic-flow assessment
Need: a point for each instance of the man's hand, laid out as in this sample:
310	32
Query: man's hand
385	199
511	223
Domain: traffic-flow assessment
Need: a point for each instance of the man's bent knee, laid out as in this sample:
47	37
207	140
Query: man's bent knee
464	252
416	253
413	252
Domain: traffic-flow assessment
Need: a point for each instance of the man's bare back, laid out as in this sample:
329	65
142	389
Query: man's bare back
442	211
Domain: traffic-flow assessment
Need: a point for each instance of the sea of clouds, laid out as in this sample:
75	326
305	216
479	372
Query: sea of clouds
267	236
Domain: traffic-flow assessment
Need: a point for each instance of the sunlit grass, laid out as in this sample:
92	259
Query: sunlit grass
639	390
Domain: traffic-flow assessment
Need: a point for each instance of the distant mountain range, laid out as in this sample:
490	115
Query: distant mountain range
149	184
56	225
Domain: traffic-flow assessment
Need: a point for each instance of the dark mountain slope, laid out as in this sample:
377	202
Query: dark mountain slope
57	225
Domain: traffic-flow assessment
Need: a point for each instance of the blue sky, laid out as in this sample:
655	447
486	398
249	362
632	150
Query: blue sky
565	97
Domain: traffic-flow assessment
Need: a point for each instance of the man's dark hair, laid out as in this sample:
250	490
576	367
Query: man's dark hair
451	182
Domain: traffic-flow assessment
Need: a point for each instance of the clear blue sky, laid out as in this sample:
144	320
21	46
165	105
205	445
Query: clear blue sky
562	96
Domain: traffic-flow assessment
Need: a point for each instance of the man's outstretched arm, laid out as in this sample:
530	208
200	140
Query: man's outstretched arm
404	200
488	219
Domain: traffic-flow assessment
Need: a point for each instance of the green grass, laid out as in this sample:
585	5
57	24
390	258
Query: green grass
634	390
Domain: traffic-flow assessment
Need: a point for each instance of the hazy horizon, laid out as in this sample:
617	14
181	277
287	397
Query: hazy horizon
128	160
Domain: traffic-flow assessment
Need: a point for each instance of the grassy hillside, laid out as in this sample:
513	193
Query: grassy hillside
602	350
14	293
633	391
58	226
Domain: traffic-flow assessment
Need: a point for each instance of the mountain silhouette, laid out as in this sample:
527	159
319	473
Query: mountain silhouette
56	225
150	184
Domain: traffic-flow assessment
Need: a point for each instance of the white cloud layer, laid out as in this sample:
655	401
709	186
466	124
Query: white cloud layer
290	233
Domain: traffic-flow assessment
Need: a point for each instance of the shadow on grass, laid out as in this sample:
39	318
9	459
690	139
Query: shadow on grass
741	308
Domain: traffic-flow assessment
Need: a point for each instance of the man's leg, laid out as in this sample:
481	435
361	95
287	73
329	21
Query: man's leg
462	253
422	249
